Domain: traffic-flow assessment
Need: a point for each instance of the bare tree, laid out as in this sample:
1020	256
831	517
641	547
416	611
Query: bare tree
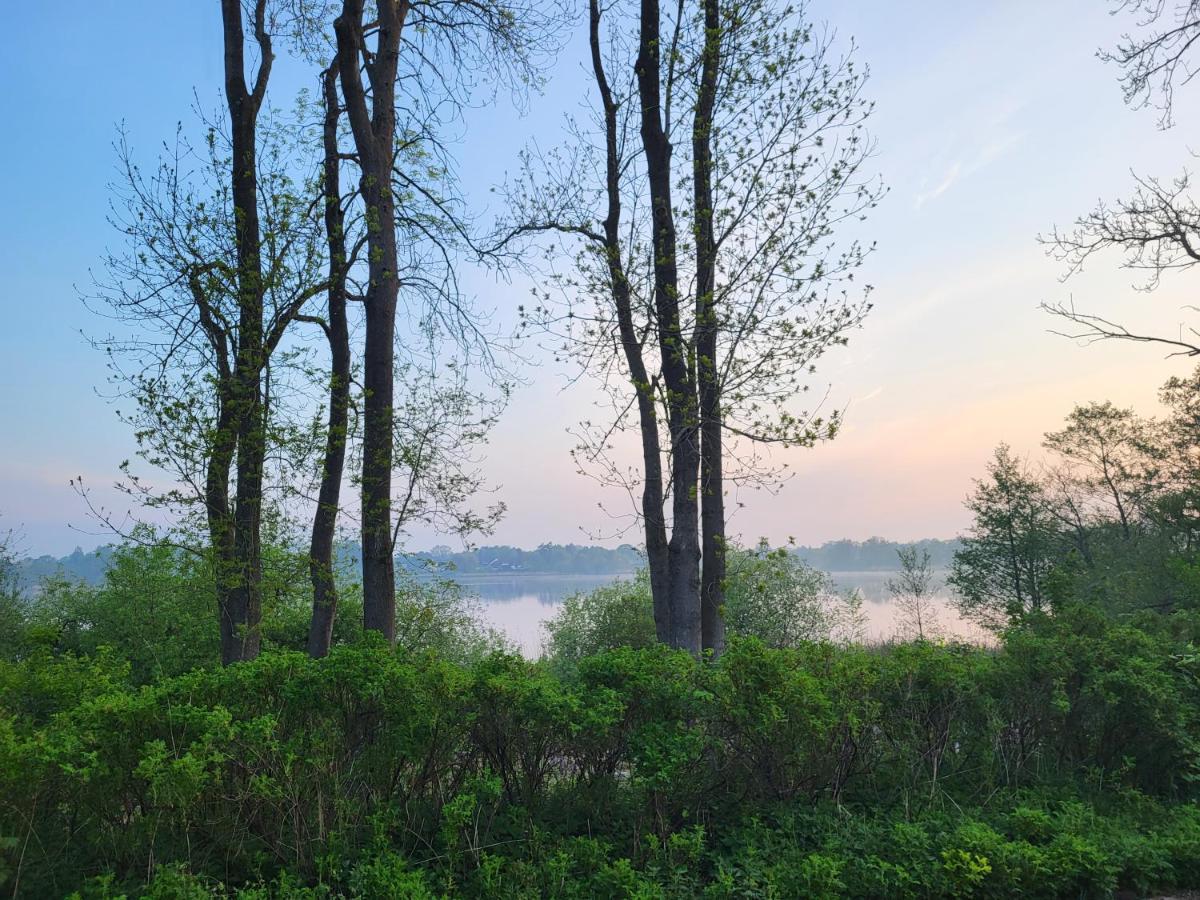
1155	228
1154	62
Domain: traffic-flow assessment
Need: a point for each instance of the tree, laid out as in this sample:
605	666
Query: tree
212	287
223	255
1154	62
155	607
1130	466
708	380
778	166
1155	227
772	596
613	615
1001	570
402	70
1108	456
739	223
373	124
913	594
676	363
208	294
1177	502
337	332
242	607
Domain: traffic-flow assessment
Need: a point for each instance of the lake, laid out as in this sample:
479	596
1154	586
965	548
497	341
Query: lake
516	604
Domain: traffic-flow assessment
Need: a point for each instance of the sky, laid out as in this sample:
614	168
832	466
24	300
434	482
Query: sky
994	122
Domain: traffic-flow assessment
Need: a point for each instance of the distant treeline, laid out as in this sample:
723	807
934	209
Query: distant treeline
565	559
874	554
88	567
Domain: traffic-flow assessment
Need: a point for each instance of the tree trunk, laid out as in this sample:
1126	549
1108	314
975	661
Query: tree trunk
221	528
653	513
246	602
374	138
683	575
320	565
242	614
712	488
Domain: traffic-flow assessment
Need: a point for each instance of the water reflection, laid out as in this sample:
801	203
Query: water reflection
517	604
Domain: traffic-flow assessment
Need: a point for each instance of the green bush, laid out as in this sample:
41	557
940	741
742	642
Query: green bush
770	595
1036	768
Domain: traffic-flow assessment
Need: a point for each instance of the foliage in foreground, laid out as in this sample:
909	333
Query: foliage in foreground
1063	764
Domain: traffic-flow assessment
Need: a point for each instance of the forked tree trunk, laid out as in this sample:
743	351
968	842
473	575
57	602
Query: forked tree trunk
373	124
324	528
653	514
712	488
683	571
240	596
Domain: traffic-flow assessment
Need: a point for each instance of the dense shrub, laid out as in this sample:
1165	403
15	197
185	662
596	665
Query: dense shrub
1042	769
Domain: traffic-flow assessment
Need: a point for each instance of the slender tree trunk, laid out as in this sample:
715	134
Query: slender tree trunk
221	528
653	513
379	577
374	137
712	487
683	575
320	634
246	602
243	600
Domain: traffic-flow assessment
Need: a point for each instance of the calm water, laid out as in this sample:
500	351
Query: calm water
518	604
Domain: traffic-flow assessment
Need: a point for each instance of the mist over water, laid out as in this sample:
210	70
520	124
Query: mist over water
517	604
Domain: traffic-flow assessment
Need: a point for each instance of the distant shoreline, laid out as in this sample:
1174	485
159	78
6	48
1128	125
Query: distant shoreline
519	573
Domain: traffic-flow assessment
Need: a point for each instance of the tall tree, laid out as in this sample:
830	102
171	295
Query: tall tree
421	60
610	247
372	117
337	332
712	481
677	362
741	221
209	292
242	610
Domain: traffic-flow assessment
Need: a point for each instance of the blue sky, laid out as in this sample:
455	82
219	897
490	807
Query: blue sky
994	122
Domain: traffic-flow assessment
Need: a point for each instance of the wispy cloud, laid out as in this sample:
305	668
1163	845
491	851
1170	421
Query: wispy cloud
1000	139
947	182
